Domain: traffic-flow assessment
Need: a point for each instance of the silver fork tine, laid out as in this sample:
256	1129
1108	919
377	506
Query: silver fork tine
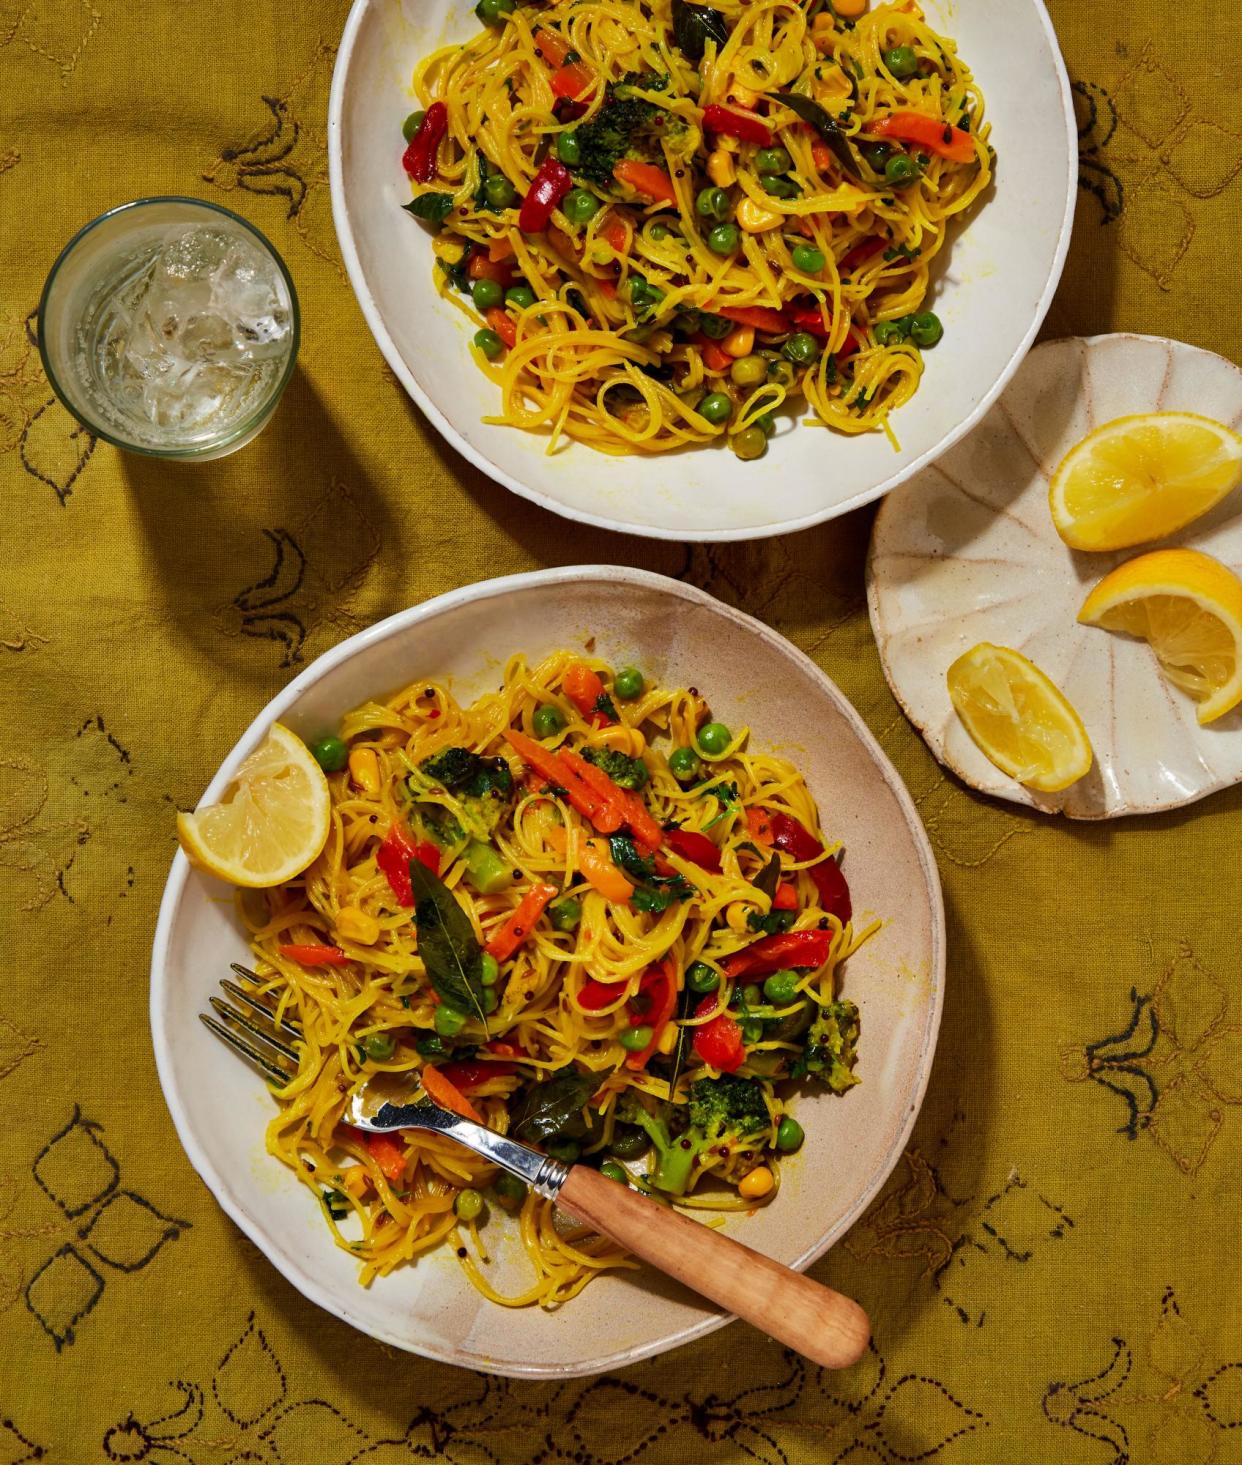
264	1065
253	1003
255	1031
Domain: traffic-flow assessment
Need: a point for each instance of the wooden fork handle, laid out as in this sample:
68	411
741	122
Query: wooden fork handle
819	1323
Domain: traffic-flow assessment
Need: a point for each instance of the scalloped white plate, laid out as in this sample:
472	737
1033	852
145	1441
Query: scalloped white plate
967	552
992	293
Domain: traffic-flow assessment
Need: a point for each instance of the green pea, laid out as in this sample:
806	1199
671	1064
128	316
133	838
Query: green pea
563	1149
925	328
520	296
569	149
749	371
714	737
900	170
489	343
634	1040
713	203
715	327
510	1191
789	1134
379	1046
752	994
766	421
902	61
889	332
781	987
628	683
629	1141
643	294
448	1021
430	1046
610	1170
717	408
750	444
499	192
701	978
689	322
494	12
547	721
684	765
773	160
489	969
409	128
658	233
780	187
489	1002
781	372
802	348
808	259
752	1031
565	914
486	294
468	1205
876	154
579	205
723	239
330	753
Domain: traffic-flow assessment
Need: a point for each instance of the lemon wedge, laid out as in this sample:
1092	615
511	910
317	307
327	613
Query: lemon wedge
1139	478
273	821
1018	718
1188	607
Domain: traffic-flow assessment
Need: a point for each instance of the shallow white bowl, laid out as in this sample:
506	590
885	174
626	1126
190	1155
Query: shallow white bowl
680	637
997	284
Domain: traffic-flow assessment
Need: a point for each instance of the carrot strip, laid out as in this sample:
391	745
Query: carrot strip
587	802
502	325
483	267
387	1153
551	47
759	822
632	809
646	178
597	866
446	1094
520	924
762	317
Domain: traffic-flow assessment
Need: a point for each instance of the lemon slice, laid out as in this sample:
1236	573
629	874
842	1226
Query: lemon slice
1020	720
1188	606
273	821
1140	478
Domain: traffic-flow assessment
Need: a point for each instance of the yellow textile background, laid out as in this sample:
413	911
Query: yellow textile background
1053	1270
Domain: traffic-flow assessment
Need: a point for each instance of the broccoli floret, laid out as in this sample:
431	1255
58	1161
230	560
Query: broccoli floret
625	772
625	126
721	1110
486	781
831	1048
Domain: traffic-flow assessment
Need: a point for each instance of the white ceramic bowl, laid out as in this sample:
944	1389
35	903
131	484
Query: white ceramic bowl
996	287
681	637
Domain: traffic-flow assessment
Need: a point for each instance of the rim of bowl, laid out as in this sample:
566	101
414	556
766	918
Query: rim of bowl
357	278
259	415
297	1273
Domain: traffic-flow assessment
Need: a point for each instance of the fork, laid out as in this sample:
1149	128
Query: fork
823	1325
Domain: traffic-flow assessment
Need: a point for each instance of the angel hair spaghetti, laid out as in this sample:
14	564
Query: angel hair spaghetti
674	222
645	926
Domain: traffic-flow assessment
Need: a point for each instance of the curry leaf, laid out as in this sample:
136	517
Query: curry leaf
769	877
447	943
432	208
694	26
554	1107
826	126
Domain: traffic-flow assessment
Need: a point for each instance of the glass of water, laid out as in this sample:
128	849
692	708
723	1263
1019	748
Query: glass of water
170	326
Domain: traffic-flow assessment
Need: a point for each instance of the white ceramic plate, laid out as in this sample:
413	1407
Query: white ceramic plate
1001	273
681	637
967	552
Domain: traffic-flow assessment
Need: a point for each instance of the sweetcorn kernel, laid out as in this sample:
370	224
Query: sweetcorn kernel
758	1183
364	770
754	219
356	925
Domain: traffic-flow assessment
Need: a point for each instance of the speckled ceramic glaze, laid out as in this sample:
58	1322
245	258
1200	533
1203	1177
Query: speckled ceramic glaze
991	289
967	552
679	636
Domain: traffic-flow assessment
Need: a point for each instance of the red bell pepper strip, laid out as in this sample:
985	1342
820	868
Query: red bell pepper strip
572	81
821	156
786	897
718	1042
484	267
394	856
660	990
552	47
773	953
927	132
521	922
692	845
386	1151
807	318
860	253
834	892
595	996
762	317
733	124
316	955
552	182
467	1074
759	823
419	159
500	322
792	837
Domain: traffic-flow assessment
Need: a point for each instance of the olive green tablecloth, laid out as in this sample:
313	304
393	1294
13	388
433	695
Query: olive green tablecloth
1053	1270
